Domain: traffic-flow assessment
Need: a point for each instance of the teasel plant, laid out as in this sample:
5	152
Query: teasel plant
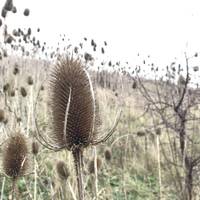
75	114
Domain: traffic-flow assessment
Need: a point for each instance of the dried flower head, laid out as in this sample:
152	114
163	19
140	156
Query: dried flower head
108	154
62	170
6	87
35	147
8	5
30	80
73	105
15	156
91	168
23	91
26	12
2	115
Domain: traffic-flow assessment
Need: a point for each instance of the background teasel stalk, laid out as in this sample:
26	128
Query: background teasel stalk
75	113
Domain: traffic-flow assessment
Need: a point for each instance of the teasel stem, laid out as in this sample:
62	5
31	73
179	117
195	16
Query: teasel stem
35	178
78	157
95	173
14	189
2	187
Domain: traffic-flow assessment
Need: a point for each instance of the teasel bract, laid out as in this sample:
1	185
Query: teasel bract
75	113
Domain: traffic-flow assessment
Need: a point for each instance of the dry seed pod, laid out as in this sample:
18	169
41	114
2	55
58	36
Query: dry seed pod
26	12
108	154
15	70
3	13
30	80
8	5
14	9
15	156
35	148
62	170
6	87
2	115
91	165
141	133
12	93
23	91
73	105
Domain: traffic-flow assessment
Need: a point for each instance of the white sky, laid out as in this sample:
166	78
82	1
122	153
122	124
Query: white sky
162	28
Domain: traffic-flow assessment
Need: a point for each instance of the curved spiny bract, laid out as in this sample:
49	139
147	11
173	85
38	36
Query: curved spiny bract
73	105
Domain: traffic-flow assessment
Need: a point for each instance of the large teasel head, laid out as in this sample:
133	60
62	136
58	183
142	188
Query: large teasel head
73	105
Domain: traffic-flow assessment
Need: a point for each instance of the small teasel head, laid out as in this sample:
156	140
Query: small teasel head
108	154
62	170
35	148
2	115
15	156
91	168
30	80
23	91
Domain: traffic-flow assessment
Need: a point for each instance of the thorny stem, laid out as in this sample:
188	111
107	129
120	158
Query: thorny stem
78	157
14	189
35	178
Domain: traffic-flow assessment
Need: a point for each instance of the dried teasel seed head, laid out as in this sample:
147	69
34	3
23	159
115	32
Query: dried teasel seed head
14	9
2	115
12	93
91	165
23	91
141	133
8	5
30	80
62	170
16	70
108	154
15	156
26	12
3	12
6	87
158	131
73	105
35	148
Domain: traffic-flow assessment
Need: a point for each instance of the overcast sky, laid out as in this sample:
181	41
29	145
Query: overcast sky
162	28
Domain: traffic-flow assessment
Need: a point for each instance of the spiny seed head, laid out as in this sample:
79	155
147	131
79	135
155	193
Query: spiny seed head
8	5
26	12
30	80
15	156
2	115
35	147
91	165
73	105
108	154
134	85
12	93
23	91
3	12
62	170
158	131
15	70
141	133
6	87
14	9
